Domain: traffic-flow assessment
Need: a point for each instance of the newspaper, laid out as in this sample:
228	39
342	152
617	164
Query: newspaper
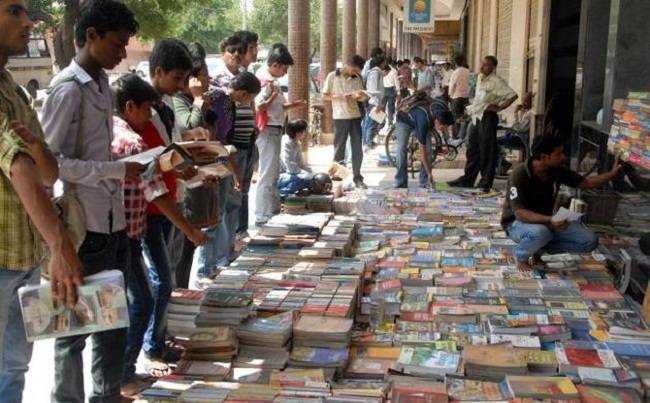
101	306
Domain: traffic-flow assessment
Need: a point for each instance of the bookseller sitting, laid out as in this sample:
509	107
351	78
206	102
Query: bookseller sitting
530	202
294	174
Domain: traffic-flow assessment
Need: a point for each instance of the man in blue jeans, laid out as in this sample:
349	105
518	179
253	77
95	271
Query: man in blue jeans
530	203
420	120
375	90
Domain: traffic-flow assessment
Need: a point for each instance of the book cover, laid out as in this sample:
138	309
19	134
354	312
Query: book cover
101	306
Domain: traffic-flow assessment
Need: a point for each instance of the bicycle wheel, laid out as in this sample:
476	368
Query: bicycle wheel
390	144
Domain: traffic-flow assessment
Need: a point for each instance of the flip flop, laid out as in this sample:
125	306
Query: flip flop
157	368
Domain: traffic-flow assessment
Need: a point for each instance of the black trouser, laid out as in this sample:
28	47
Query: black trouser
98	252
458	109
481	151
344	128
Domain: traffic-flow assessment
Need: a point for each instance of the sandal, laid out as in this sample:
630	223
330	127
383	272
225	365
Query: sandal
158	368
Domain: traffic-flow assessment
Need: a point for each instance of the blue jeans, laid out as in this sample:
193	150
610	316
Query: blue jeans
403	133
98	252
246	158
16	351
228	230
215	252
531	238
368	126
141	305
156	251
292	183
267	199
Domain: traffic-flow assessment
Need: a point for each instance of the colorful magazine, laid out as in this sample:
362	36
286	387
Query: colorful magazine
101	306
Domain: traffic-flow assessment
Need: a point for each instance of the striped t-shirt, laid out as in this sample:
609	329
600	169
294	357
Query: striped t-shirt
244	126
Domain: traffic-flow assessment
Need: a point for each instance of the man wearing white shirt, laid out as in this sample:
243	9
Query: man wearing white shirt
459	92
391	92
492	96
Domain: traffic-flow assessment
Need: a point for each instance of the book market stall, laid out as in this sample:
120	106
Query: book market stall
407	296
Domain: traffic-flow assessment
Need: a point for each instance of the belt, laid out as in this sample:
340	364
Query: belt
275	126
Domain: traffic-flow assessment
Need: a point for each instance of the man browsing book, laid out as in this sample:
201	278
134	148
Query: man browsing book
530	203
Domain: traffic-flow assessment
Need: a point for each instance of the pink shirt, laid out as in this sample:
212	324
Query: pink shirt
459	83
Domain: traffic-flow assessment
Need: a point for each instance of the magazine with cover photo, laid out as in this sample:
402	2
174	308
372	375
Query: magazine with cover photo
101	306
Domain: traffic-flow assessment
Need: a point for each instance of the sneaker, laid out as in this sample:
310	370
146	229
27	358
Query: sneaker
360	185
242	236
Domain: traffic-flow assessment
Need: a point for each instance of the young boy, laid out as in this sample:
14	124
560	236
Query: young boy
133	99
294	174
169	65
80	106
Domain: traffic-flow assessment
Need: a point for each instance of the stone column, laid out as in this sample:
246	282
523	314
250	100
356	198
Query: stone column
299	46
362	29
327	53
349	28
373	24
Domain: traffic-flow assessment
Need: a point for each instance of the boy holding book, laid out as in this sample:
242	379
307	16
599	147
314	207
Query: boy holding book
133	99
78	111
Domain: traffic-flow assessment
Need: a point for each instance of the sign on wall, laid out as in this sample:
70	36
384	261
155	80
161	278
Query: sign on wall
419	17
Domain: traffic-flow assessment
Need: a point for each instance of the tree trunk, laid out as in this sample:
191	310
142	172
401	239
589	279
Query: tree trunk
64	43
327	53
349	28
362	29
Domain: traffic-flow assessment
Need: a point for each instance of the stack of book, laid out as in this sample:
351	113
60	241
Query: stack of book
221	307
630	131
265	342
184	306
208	344
321	341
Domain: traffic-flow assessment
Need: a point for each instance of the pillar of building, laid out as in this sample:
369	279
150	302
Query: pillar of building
362	29
328	24
349	28
299	46
373	24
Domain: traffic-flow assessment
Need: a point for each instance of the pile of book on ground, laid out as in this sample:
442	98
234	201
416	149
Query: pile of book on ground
440	313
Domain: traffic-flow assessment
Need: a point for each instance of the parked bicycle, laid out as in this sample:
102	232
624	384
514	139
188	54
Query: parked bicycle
440	149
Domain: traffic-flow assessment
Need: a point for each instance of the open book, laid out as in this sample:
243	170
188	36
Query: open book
218	170
101	306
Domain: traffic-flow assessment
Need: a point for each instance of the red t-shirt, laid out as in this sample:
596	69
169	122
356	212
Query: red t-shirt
153	139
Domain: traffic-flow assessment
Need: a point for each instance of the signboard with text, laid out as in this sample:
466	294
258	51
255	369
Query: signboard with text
419	17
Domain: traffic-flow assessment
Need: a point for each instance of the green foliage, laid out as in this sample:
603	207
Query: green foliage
270	20
210	23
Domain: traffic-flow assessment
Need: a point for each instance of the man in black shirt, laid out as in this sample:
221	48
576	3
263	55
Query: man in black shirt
530	203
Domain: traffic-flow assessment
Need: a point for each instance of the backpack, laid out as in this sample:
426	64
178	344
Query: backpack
420	100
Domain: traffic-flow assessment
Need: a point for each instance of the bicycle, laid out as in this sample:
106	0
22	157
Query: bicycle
440	149
315	125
